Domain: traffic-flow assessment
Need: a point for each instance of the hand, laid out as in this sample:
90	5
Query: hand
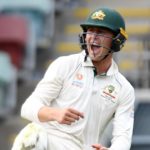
66	116
99	147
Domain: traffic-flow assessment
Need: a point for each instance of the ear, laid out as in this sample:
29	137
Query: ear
118	42
82	41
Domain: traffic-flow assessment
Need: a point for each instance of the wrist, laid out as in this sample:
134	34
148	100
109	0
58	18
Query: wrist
46	114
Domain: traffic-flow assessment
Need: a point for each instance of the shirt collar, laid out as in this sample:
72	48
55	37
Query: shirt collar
111	71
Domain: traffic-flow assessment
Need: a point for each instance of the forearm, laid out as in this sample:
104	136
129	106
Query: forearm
61	115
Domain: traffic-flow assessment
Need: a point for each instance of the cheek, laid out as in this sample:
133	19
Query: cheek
108	42
87	38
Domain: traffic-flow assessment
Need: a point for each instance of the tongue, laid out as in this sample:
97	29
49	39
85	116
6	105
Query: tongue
95	48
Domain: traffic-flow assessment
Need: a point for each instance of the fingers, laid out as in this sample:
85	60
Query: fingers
99	147
66	122
70	119
104	148
75	113
68	116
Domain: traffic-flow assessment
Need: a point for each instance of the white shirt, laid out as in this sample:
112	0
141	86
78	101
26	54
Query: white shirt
70	82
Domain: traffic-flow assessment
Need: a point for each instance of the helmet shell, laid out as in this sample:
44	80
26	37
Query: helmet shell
106	18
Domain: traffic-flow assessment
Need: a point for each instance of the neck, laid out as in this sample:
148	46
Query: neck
103	65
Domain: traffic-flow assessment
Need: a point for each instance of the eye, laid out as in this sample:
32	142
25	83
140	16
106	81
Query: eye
89	32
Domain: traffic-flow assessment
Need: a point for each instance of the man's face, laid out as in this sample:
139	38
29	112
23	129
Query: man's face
99	41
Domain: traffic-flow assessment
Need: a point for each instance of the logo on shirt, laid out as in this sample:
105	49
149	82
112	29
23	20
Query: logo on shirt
79	76
109	93
78	82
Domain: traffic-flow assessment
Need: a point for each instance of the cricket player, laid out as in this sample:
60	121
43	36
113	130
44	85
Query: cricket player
81	93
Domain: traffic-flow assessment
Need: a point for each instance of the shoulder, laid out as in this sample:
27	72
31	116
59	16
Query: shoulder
126	86
69	61
74	58
65	64
126	93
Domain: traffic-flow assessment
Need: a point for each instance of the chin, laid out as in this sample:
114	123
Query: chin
95	59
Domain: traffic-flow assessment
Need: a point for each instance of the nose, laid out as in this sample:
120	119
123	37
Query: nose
96	37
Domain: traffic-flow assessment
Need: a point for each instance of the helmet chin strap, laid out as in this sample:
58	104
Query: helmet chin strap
106	55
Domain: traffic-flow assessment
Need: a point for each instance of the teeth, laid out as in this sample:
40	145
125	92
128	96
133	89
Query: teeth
95	44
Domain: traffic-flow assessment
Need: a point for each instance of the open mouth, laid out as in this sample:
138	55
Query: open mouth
95	47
